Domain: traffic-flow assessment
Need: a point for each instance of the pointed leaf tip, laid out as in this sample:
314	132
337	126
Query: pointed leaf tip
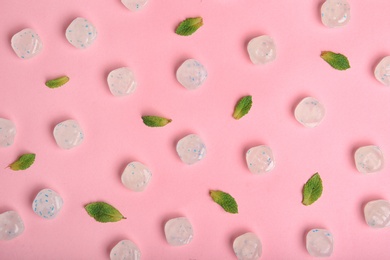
225	200
103	212
242	107
189	26
23	162
58	82
312	190
337	60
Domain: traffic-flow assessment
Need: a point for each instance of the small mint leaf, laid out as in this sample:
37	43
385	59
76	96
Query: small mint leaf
103	212
225	200
58	82
23	162
155	121
312	190
336	60
242	107
189	26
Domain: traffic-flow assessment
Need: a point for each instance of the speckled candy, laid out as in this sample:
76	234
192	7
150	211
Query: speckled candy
136	176
247	247
178	231
309	112
26	43
47	204
260	159
191	149
11	225
134	5
7	132
319	243
81	33
68	134
121	82
335	13
377	213
125	250
261	49
191	74
369	159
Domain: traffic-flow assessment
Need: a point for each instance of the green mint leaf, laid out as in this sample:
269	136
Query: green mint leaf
103	212
242	107
23	162
225	200
336	60
312	190
189	26
156	121
58	82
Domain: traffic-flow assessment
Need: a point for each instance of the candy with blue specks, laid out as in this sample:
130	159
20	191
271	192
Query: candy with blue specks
191	74
81	33
309	112
319	243
68	134
260	159
134	5
47	204
26	43
262	49
247	247
335	13
369	159
377	213
136	176
178	231
125	250
191	149
121	82
11	225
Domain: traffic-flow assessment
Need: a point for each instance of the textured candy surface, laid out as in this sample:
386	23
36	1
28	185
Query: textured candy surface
11	225
47	204
81	33
26	43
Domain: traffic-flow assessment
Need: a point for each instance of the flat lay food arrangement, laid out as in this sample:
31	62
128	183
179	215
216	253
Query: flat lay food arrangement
137	129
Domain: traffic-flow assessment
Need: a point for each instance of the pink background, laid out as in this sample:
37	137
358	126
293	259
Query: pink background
357	114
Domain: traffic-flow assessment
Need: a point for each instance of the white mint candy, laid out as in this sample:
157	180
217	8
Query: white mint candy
260	159
134	5
262	49
382	71
377	213
47	204
125	250
68	134
121	82
247	247
7	132
11	225
309	112
26	43
191	149
178	231
319	243
191	74
369	159
335	13
81	33
136	176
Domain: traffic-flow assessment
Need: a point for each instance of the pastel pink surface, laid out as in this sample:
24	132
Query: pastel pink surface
270	206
